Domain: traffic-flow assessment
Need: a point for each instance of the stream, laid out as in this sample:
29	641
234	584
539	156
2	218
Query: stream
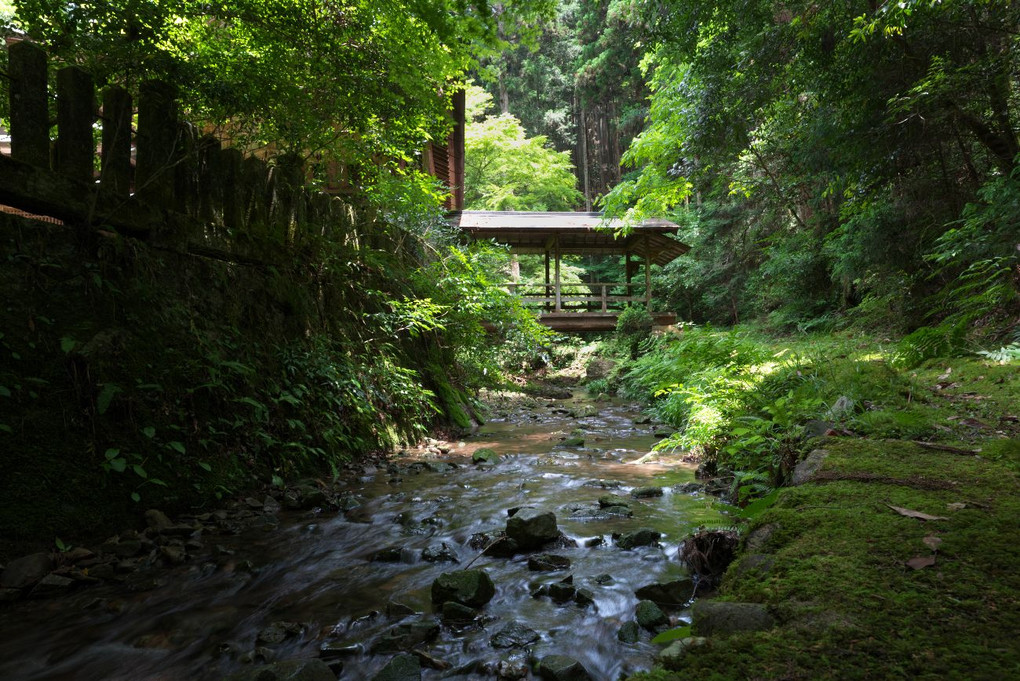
343	579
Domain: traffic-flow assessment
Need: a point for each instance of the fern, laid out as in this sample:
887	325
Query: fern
928	342
1007	354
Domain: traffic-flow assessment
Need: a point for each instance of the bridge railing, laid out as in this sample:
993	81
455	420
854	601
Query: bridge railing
600	296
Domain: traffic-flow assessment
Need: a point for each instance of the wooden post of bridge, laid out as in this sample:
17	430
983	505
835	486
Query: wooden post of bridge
559	300
548	289
115	168
30	126
76	113
648	274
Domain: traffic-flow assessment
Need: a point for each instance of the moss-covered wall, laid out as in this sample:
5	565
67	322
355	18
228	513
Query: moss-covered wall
133	375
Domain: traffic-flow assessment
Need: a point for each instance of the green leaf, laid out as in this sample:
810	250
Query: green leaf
157	481
136	497
149	432
61	546
277	481
4	391
204	466
673	634
139	471
176	446
118	465
111	454
257	406
759	505
67	344
6	428
106	396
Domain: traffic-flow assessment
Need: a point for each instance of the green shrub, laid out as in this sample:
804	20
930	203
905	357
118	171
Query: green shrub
633	327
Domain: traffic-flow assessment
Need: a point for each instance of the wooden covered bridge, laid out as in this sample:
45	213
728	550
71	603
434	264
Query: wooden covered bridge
590	306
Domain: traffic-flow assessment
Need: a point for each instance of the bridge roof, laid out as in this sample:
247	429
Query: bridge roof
577	233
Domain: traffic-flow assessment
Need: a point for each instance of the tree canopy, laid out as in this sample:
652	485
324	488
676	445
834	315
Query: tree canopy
354	78
507	170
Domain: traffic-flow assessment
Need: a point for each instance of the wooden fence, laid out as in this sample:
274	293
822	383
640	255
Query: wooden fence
130	164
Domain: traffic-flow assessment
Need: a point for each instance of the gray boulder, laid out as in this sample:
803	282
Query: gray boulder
672	656
406	636
278	632
670	595
598	367
548	562
473	588
441	552
532	528
289	670
719	618
26	571
562	668
402	667
807	468
157	520
51	585
514	635
455	612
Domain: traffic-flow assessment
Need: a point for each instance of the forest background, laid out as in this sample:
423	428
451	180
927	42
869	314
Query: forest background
835	164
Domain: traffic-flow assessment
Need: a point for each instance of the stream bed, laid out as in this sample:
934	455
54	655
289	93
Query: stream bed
289	582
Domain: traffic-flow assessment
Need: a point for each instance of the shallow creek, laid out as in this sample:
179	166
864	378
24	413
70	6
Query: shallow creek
316	568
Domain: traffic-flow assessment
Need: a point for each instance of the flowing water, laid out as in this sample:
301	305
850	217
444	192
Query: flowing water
316	568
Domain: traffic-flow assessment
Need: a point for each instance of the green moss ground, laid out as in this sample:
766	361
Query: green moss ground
835	572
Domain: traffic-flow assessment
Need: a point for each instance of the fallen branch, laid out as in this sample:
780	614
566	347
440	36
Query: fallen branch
485	550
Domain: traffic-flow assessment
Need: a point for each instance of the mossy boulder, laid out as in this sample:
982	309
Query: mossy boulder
473	588
721	618
650	616
485	455
643	537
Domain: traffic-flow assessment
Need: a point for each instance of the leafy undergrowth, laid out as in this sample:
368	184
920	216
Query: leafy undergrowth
749	401
831	556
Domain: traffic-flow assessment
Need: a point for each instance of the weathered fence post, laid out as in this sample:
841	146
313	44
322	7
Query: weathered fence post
115	174
157	130
289	175
210	179
233	215
256	194
76	112
30	117
185	171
